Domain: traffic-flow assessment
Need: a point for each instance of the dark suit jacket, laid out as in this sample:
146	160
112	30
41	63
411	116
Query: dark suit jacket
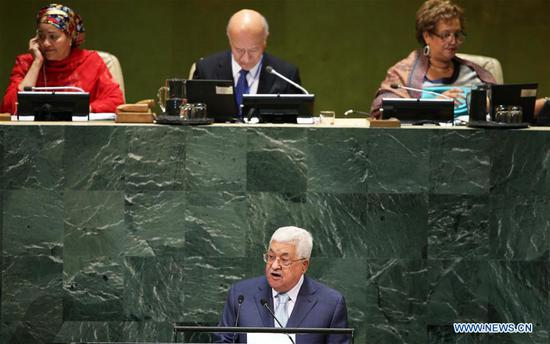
218	67
316	306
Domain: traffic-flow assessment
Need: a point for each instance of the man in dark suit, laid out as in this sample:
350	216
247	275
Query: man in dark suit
246	61
296	300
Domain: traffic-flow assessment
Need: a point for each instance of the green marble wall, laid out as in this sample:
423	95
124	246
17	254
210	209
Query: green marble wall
110	233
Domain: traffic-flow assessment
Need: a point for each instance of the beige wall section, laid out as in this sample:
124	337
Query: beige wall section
343	47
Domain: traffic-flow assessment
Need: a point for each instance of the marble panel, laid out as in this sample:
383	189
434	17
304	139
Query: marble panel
155	159
32	288
215	224
458	226
520	294
268	211
91	331
94	157
94	225
397	226
155	221
216	159
337	160
444	334
460	162
458	291
386	333
34	158
397	291
95	292
95	237
521	163
276	159
398	160
338	224
207	280
33	223
520	227
154	289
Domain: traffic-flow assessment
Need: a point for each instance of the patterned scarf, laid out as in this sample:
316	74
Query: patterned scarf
64	19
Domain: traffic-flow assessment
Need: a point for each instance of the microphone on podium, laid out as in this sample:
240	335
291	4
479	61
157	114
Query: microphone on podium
396	86
240	300
272	70
266	305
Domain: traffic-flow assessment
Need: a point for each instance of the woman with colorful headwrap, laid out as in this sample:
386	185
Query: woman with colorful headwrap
55	59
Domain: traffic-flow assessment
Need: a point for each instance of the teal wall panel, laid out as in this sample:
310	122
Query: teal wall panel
342	47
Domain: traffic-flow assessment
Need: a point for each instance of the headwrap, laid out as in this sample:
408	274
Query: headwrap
64	19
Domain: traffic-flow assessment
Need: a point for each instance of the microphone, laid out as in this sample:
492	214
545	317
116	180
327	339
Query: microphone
240	300
396	86
271	70
52	88
350	111
266	305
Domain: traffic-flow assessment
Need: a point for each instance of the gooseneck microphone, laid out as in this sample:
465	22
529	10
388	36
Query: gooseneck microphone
396	86
53	88
240	300
266	305
271	70
350	111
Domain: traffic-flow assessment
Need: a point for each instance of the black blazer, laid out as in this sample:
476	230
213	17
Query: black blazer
218	67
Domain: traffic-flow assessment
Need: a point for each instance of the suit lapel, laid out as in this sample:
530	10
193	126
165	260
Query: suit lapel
264	292
266	79
304	304
224	67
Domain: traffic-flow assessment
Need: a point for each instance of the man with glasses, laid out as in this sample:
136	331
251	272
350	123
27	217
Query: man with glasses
295	299
246	61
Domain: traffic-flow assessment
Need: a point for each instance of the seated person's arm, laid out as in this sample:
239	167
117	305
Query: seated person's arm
542	107
107	95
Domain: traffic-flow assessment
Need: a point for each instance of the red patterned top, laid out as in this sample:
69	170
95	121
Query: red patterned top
82	68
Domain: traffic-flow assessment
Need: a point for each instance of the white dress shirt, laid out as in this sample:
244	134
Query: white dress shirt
253	76
292	294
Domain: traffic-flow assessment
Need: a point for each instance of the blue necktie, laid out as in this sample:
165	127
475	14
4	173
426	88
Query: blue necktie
242	88
281	312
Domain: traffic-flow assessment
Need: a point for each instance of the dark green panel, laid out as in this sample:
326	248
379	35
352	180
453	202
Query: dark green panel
391	317
409	173
397	226
215	224
216	159
458	227
156	158
94	158
521	166
33	158
337	161
518	228
342	47
520	294
276	160
155	223
460	162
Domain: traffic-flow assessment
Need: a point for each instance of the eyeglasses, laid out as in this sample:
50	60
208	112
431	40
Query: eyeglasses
446	36
271	258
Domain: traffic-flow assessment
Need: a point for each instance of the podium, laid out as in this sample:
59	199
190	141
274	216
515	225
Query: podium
288	330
